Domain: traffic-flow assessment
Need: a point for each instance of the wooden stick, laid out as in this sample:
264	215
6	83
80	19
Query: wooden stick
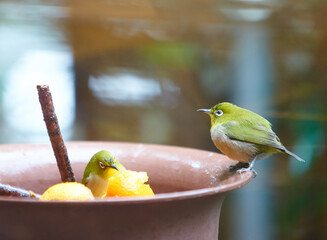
6	190
54	133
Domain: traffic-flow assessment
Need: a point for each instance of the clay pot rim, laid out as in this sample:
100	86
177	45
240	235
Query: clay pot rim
160	197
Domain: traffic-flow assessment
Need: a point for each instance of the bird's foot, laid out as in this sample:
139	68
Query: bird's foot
238	166
247	170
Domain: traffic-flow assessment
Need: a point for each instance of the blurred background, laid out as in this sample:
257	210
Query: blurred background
137	70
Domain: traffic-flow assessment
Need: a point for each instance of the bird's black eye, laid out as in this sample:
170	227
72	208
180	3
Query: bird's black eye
219	113
101	165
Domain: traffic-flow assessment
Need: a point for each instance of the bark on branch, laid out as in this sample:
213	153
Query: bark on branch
54	133
6	190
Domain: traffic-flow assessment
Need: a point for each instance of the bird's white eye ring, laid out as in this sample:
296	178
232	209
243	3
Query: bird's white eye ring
101	165
219	113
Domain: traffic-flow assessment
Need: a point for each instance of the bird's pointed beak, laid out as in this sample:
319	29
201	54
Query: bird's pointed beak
114	167
207	111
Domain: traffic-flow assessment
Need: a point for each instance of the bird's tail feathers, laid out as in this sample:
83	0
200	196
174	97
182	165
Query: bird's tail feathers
294	155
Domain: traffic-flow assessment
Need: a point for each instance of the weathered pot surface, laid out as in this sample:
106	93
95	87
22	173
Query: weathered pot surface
190	186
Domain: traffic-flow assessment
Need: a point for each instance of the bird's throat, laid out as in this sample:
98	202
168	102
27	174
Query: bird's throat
98	185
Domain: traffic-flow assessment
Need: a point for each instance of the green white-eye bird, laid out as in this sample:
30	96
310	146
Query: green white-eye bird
243	135
98	171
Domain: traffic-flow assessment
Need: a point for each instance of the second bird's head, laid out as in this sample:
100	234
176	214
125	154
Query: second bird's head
221	112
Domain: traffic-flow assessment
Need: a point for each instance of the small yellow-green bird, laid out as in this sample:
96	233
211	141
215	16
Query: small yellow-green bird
98	171
243	135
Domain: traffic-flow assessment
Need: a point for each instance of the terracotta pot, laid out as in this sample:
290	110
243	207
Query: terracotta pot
190	186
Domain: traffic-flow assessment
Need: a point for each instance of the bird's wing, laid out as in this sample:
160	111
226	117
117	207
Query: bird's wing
253	134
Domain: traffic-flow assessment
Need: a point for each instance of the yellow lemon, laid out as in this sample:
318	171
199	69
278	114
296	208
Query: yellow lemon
67	191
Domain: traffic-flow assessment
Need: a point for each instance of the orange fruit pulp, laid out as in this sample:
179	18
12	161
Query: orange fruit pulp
129	184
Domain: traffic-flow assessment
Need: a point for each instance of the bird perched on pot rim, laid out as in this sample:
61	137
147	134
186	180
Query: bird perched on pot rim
98	171
243	135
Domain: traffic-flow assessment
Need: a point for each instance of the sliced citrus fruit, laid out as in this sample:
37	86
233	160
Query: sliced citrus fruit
67	191
129	184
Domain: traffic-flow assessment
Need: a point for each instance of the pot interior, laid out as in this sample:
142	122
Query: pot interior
170	169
